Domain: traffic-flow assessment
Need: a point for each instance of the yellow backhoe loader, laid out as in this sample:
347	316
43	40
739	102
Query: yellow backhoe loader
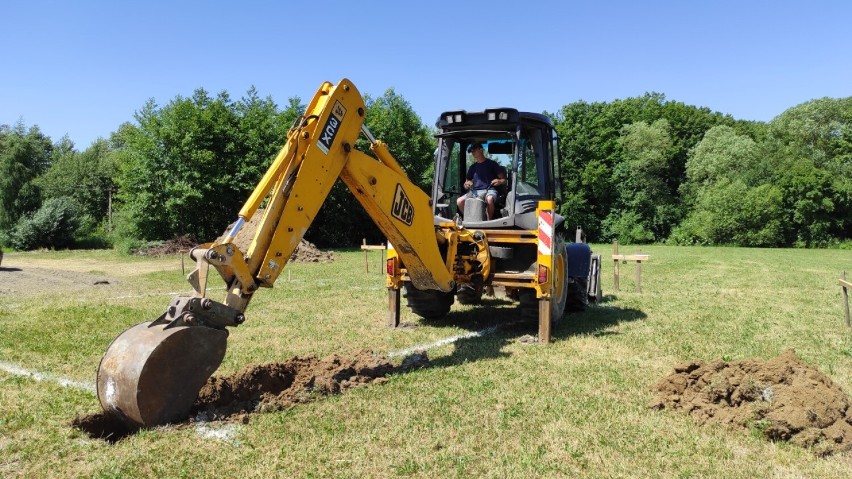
152	372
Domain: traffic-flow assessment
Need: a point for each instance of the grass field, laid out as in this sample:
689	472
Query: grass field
487	406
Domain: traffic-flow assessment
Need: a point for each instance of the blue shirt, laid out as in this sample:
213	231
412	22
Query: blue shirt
482	173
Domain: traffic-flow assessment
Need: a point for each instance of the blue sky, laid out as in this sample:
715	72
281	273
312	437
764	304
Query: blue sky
82	68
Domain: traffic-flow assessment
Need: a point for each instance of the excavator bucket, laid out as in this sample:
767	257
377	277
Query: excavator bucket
152	373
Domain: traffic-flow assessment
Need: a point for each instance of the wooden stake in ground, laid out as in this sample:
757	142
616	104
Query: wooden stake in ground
844	287
638	258
639	273
366	247
615	264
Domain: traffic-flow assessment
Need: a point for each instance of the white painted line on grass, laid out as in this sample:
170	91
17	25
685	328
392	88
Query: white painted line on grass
146	295
225	432
441	342
19	371
190	293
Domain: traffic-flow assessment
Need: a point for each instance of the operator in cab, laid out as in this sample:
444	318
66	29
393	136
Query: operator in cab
483	178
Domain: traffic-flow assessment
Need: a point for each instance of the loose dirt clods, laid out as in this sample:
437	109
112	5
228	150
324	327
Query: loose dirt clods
781	398
268	387
276	386
306	252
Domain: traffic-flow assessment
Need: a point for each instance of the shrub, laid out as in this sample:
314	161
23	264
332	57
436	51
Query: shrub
628	228
52	226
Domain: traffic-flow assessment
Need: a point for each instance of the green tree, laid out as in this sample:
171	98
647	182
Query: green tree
24	155
810	204
85	177
592	150
54	225
729	212
730	191
811	149
722	153
186	168
646	206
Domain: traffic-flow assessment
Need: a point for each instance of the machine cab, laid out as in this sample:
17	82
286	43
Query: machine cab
523	144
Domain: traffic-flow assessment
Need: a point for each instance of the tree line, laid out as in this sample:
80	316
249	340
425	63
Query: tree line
640	170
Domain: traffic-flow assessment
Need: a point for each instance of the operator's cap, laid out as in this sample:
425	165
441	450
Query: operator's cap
474	145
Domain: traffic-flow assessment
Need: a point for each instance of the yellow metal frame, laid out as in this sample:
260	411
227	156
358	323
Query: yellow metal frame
318	151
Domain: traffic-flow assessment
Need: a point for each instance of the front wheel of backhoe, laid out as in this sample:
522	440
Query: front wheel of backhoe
427	303
469	295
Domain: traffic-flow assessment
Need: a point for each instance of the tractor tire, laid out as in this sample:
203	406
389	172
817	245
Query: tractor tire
469	295
562	282
528	304
428	304
578	294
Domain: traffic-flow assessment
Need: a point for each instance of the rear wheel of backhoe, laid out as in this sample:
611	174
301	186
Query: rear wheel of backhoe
151	373
427	303
560	278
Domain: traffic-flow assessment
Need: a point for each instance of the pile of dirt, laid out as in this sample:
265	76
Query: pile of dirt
181	244
782	398
306	252
277	386
269	387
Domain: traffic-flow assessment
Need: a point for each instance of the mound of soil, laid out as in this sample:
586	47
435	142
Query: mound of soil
178	245
268	387
782	398
306	252
276	386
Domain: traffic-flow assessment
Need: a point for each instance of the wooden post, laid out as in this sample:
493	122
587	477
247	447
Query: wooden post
639	273
393	307
366	263
638	258
845	298
544	319
615	264
366	247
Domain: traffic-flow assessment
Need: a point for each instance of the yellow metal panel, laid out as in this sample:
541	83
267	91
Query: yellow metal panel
285	159
333	127
402	212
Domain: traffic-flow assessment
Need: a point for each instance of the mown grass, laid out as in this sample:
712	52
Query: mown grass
487	406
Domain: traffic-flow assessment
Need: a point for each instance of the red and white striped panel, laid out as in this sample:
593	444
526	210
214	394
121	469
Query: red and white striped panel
545	232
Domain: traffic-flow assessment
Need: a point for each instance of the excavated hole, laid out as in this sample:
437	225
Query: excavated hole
268	387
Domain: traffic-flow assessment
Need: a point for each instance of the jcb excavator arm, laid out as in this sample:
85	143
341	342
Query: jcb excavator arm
144	377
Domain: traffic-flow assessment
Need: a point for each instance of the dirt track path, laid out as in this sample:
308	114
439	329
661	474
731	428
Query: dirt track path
31	273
